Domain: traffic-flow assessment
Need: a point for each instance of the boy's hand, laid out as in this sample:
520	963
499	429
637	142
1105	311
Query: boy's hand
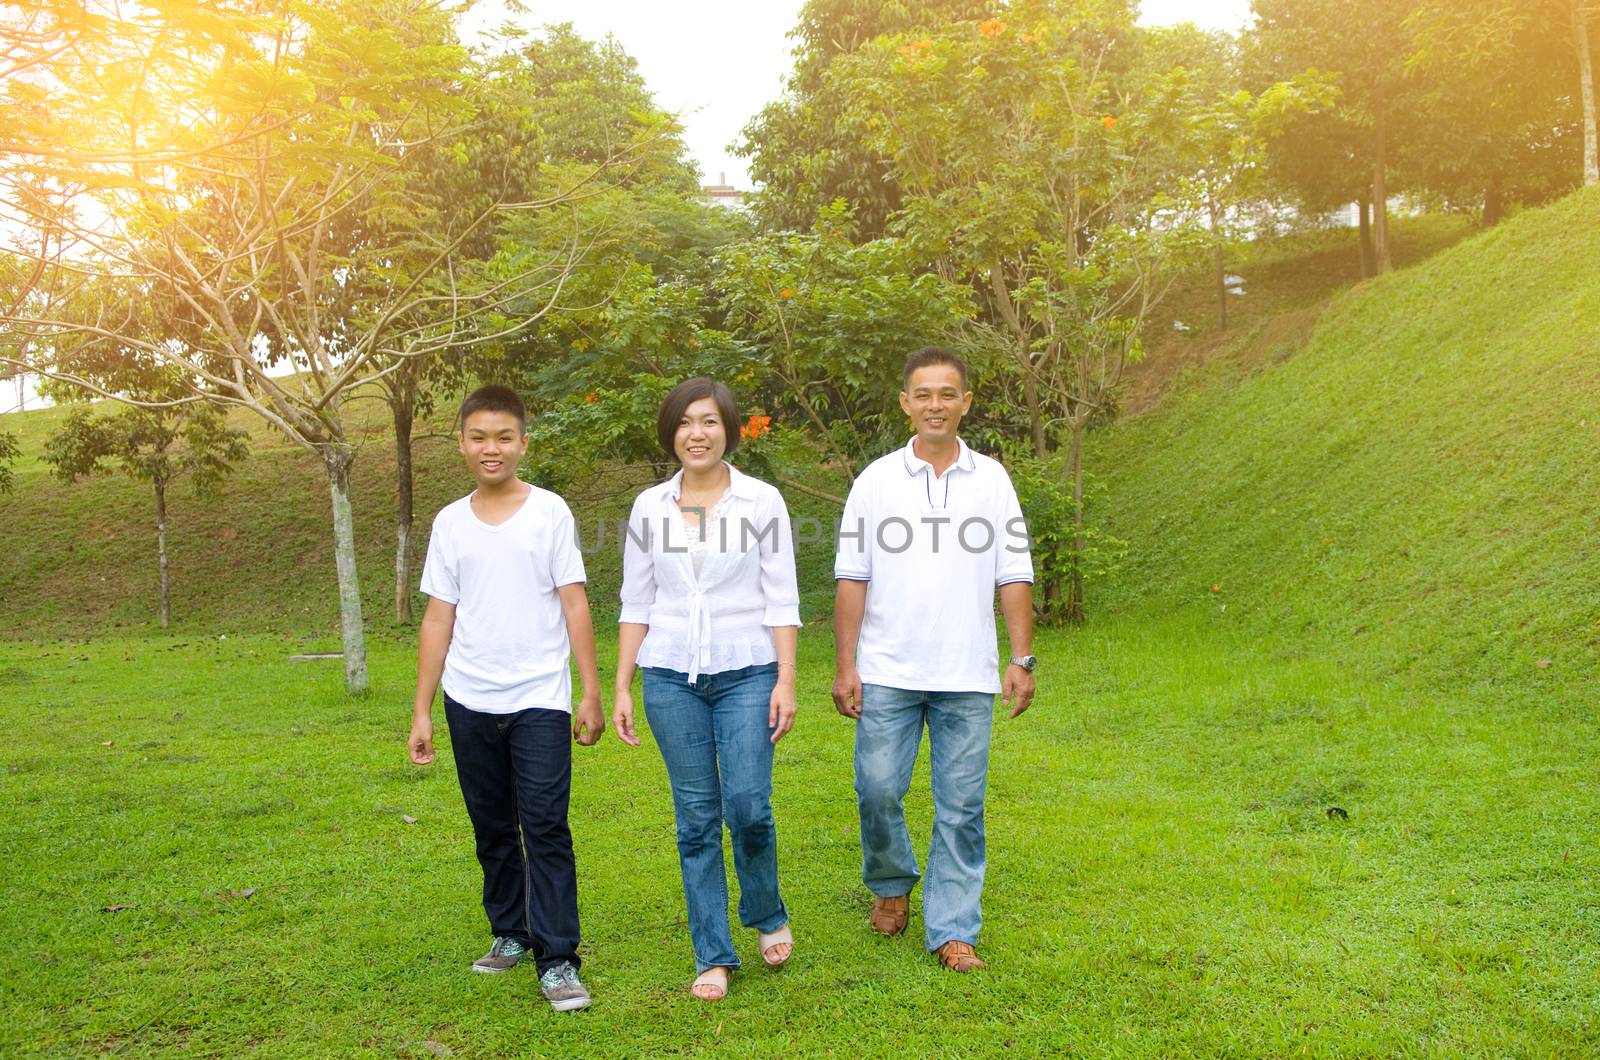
588	723
420	742
622	718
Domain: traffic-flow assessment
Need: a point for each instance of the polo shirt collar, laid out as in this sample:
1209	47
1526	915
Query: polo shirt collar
915	464
739	484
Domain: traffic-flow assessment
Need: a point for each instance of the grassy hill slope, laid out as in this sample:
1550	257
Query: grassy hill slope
1416	483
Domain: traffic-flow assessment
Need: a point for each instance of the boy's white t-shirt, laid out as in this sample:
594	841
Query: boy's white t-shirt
509	649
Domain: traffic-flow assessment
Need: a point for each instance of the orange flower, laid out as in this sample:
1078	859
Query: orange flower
906	49
757	426
1109	120
591	397
1031	38
922	45
991	27
1216	588
786	293
694	344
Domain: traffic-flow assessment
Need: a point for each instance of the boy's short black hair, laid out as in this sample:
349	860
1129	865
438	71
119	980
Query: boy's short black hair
686	393
929	356
494	398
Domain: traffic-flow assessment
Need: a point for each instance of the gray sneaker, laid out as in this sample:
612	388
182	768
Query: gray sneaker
502	956
562	988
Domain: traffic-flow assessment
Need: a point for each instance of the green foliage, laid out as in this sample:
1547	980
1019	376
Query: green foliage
1044	489
155	445
830	322
9	451
810	148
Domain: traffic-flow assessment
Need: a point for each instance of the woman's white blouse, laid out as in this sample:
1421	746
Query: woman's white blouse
722	618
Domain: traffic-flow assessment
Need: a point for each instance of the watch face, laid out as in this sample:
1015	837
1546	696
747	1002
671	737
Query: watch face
1027	662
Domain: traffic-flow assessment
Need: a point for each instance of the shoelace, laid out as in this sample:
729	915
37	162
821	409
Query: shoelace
560	975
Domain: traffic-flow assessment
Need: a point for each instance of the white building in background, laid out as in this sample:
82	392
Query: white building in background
723	194
20	392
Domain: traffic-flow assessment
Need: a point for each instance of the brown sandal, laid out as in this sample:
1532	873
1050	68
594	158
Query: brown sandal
959	957
889	915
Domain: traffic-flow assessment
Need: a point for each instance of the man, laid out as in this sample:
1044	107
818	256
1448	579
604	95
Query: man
928	534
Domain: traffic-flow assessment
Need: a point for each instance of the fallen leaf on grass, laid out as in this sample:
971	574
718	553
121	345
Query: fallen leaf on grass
408	819
108	743
114	908
242	892
437	1048
1543	663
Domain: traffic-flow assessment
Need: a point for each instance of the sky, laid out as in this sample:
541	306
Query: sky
718	62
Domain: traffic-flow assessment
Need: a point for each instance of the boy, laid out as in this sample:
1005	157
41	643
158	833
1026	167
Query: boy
507	599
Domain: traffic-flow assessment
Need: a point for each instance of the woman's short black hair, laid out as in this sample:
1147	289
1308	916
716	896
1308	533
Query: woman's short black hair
686	393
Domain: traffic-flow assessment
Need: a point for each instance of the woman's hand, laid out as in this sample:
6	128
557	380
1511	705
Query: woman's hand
780	716
622	717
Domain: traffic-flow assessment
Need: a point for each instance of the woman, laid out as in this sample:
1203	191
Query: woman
711	612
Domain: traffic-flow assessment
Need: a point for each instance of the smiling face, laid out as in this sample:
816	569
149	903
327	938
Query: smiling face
935	400
702	437
493	443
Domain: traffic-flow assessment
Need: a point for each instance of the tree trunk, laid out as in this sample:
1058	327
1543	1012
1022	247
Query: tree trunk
1591	140
1364	222
1073	610
161	550
1030	394
404	417
1494	206
1380	193
338	458
1222	277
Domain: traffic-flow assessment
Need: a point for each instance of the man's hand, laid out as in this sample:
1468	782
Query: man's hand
622	717
588	723
847	692
781	711
420	742
1018	689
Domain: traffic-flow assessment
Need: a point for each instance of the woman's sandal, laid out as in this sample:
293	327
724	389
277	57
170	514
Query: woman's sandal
771	941
709	985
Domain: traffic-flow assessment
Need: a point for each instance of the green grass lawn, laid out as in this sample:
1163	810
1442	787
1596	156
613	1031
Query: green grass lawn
1164	876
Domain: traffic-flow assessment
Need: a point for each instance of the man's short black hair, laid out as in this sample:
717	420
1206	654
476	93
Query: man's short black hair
686	393
928	357
494	398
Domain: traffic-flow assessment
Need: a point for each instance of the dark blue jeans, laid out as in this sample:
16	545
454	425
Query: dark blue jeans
715	740
516	775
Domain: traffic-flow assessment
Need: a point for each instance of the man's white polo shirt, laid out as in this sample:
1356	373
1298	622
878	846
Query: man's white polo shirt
932	549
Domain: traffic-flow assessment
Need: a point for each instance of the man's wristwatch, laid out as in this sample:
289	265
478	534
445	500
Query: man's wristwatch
1029	663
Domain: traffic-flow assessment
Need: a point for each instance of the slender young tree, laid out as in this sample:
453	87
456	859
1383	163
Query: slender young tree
155	445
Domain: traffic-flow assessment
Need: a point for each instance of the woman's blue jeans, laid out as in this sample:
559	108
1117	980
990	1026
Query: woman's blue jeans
714	737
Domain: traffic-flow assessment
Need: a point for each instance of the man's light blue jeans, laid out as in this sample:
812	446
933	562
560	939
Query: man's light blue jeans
888	734
714	737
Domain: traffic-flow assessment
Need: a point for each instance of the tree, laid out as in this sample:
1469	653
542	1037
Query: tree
809	147
555	108
1028	169
1217	133
9	451
155	445
1496	78
1579	11
1363	43
252	260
